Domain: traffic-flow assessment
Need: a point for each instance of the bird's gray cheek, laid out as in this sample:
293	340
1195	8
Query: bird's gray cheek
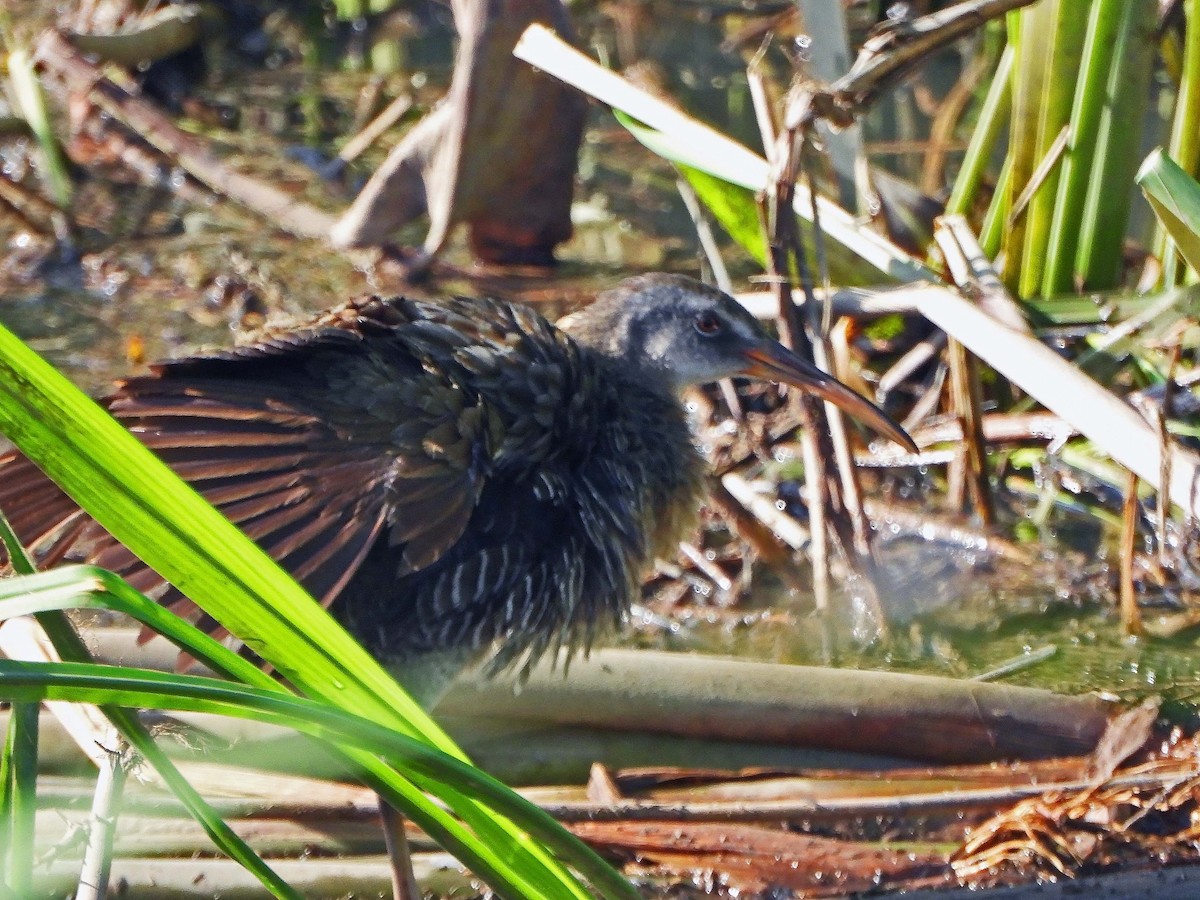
658	347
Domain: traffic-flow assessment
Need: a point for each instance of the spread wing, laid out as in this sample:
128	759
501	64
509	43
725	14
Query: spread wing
313	443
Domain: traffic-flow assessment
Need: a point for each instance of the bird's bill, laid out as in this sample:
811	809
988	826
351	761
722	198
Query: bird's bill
774	362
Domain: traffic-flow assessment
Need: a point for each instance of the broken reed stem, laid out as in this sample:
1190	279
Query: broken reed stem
820	323
779	207
374	129
1131	616
833	502
972	274
779	226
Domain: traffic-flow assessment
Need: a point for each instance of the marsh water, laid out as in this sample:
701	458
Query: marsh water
154	270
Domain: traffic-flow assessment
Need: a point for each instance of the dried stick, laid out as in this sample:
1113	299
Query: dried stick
57	56
1131	616
391	114
973	275
830	497
404	881
1164	437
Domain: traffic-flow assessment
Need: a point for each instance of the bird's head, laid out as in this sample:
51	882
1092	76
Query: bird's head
690	333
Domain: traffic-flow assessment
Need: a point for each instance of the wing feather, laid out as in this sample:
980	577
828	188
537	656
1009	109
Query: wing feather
308	469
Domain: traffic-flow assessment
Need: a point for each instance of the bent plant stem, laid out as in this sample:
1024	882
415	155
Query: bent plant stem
97	858
69	646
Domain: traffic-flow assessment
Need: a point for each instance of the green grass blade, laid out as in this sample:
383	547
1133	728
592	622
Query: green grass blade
1029	37
1087	112
69	646
20	798
28	93
1184	146
991	232
733	205
80	586
735	208
997	106
1064	45
6	795
222	836
1118	148
122	686
88	586
21	561
1175	197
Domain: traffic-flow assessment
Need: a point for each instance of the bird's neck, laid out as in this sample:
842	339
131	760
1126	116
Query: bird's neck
607	327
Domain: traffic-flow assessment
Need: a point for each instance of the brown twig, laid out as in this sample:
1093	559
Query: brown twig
974	276
759	534
835	496
391	114
1131	616
1164	439
404	882
57	56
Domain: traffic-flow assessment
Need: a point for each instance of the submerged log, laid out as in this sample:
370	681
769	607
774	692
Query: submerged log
916	717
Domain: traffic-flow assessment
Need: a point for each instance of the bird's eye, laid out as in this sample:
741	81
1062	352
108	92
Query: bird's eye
708	323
